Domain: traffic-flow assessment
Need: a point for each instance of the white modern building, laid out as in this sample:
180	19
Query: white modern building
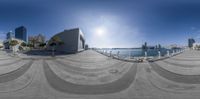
73	41
196	46
1	45
7	46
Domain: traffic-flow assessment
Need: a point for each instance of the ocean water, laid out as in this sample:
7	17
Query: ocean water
138	52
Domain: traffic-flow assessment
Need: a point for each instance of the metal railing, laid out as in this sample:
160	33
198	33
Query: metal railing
128	55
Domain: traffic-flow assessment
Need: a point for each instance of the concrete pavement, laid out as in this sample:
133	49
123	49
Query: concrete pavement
90	75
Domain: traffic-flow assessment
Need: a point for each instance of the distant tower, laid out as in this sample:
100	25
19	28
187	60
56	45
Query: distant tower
21	33
144	47
191	41
9	35
145	44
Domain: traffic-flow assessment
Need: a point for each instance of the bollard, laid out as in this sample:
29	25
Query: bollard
129	54
159	54
173	53
168	53
110	53
145	54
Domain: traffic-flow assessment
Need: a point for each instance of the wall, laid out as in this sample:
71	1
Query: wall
71	39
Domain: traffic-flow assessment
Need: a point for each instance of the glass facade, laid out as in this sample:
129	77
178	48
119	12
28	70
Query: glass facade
21	33
191	41
9	35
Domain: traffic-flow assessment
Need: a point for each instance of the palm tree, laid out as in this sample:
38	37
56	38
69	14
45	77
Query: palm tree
23	44
33	41
13	43
54	42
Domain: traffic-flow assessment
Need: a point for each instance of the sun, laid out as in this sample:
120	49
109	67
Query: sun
100	31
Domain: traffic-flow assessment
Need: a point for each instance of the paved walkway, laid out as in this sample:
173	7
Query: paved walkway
64	86
90	75
115	75
177	74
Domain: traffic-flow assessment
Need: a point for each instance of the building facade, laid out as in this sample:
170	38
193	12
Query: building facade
21	33
73	41
191	41
7	45
1	45
9	35
36	40
196	46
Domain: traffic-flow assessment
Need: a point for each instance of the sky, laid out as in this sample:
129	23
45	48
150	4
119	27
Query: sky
106	23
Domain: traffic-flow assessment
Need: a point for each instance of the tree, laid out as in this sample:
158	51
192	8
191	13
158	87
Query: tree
54	42
41	45
13	43
33	41
30	45
1	46
23	44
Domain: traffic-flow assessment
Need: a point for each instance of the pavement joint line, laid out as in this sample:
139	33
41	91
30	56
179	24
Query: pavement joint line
25	86
94	70
182	65
16	73
180	78
68	87
166	89
162	89
7	64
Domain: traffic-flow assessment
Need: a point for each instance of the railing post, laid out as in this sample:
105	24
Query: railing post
173	53
159	54
145	54
168	53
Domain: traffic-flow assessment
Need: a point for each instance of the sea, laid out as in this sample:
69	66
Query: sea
138	52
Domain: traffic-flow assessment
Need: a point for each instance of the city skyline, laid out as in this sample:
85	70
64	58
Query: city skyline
106	23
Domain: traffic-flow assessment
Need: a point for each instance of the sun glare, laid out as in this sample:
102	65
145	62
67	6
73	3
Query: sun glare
100	31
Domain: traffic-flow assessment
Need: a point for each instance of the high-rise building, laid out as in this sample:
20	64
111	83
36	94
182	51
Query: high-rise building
191	41
9	35
21	33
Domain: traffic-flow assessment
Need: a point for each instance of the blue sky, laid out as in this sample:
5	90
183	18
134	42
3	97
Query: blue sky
123	23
